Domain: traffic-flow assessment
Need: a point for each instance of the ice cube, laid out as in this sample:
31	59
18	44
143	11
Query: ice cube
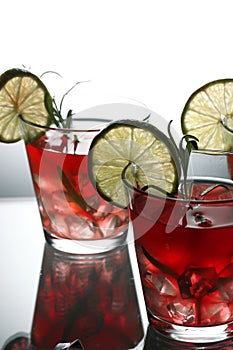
161	283
159	289
102	210
109	225
157	303
47	183
214	313
82	228
225	287
196	282
225	284
59	202
219	295
182	312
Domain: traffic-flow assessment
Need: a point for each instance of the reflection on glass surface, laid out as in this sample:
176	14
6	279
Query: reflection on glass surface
19	341
87	297
153	341
156	341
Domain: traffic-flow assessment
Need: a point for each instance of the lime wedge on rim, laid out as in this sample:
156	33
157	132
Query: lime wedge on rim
141	144
22	93
208	115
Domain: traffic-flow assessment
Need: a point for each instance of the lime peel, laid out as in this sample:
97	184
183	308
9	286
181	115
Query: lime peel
147	149
208	115
22	93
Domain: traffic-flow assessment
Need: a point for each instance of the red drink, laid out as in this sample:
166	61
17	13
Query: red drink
70	206
185	255
87	297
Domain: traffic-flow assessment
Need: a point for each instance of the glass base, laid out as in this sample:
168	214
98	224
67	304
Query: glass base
194	335
86	246
157	341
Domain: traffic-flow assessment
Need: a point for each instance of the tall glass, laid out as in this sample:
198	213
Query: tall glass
75	218
184	248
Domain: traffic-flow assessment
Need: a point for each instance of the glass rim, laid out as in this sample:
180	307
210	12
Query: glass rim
97	122
186	201
212	151
62	129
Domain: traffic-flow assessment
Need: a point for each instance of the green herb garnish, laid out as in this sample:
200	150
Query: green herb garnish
183	154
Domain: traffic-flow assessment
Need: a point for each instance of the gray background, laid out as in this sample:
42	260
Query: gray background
15	179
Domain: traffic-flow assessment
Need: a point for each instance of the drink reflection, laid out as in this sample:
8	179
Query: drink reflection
156	341
87	297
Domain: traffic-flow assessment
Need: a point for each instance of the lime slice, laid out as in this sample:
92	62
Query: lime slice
208	115
22	93
153	158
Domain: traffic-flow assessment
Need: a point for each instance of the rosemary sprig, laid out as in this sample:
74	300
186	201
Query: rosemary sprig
183	154
57	114
70	189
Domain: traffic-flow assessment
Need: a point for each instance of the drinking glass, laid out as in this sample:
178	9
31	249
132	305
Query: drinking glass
184	247
75	218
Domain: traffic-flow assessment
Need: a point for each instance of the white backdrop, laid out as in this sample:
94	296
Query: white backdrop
156	51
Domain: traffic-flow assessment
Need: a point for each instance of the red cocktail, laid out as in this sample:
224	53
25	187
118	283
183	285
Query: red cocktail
74	216
185	253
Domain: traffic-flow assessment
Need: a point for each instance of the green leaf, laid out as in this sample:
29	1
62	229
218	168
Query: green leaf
71	191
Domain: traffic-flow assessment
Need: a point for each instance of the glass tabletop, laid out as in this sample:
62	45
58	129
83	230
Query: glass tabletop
56	293
21	252
44	289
